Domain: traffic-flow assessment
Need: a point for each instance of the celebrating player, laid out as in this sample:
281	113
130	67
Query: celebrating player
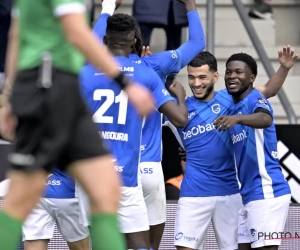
210	190
121	126
265	192
163	63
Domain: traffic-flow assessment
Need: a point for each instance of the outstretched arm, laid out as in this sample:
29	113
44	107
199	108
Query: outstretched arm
287	58
108	8
259	119
196	42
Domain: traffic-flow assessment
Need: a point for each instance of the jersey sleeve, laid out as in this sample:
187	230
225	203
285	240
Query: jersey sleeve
159	91
100	26
164	63
259	102
64	7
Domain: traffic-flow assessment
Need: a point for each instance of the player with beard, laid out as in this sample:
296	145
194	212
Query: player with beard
210	190
265	192
164	63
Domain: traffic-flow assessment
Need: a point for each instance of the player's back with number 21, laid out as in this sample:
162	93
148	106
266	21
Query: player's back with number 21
117	119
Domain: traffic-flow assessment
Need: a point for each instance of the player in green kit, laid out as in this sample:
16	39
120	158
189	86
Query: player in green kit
49	121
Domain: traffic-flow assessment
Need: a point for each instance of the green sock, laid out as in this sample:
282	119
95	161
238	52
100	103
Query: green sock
10	232
105	233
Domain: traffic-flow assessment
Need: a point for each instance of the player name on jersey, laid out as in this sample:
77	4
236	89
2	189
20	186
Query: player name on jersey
117	136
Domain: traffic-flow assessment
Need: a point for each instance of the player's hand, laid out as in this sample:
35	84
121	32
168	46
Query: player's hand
287	57
146	51
117	2
224	122
182	154
177	90
8	122
141	98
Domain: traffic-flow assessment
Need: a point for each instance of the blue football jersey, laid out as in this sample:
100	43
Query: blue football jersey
163	64
256	153
60	185
117	119
210	166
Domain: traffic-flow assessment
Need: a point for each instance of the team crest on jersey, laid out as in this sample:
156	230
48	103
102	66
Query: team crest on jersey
216	108
262	100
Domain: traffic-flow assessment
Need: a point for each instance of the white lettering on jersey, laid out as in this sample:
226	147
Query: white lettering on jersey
198	130
174	54
191	114
126	69
53	183
137	62
165	92
143	147
119	168
239	137
109	135
275	154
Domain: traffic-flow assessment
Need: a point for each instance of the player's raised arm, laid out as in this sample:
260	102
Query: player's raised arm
176	112
173	61
286	58
196	42
78	33
108	8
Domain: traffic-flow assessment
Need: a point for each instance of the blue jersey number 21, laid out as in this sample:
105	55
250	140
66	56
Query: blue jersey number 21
109	94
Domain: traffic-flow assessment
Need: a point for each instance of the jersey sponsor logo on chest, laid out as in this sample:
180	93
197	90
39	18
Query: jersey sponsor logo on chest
198	130
239	137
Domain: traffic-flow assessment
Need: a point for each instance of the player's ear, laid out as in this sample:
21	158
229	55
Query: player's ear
105	40
216	76
252	78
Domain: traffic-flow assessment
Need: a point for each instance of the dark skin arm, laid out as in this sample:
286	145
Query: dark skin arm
189	4
256	120
286	58
176	113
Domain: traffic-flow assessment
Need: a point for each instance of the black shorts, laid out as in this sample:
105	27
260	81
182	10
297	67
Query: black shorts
55	127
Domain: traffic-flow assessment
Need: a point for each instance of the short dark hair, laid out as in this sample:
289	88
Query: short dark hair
119	25
205	58
247	59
